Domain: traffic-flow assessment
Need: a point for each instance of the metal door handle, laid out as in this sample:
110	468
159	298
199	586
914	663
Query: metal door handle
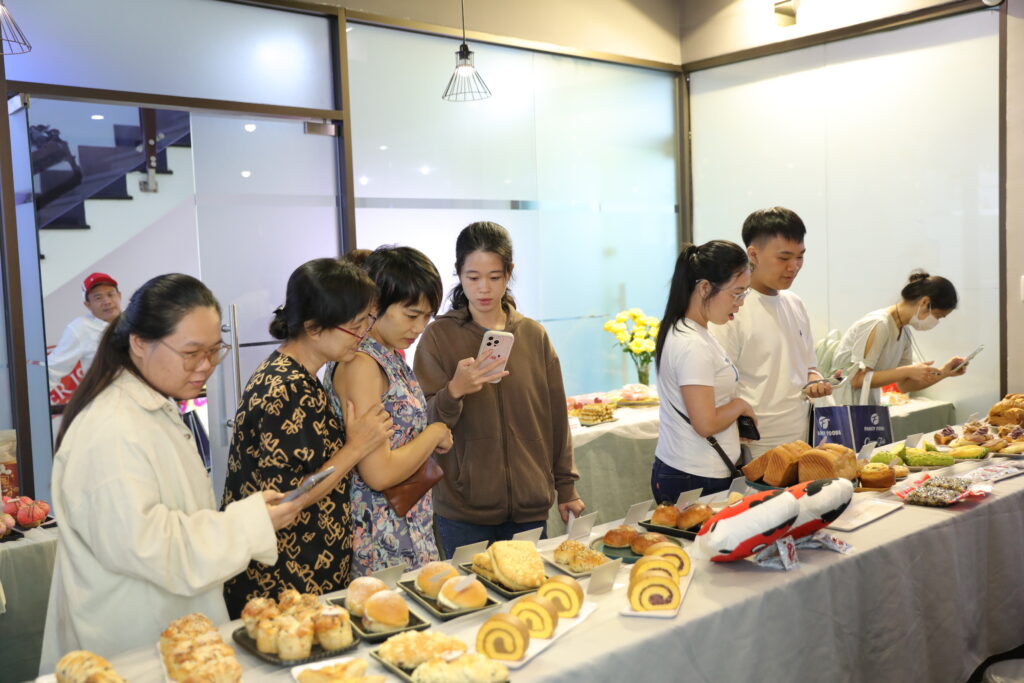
236	370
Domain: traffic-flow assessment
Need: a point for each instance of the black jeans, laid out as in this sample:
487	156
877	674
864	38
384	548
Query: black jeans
668	482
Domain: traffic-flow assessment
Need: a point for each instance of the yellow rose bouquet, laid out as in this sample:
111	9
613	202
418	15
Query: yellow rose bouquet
636	333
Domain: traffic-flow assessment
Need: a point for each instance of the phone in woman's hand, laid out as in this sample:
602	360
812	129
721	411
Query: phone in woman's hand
748	428
497	344
307	484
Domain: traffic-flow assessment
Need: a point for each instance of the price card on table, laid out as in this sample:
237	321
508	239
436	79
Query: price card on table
913	440
603	577
579	527
531	535
688	498
739	485
866	451
391	575
464	554
638	512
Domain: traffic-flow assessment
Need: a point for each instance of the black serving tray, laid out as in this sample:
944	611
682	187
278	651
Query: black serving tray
316	654
434	607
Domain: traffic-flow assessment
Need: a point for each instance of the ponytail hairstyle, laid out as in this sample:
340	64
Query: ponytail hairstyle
482	236
717	261
153	313
939	290
404	275
321	294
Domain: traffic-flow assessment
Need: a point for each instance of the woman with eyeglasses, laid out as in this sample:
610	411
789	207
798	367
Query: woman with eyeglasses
140	540
697	381
285	431
882	344
410	293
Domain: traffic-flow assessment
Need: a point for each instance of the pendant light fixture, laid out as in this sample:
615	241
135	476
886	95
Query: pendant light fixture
465	85
14	41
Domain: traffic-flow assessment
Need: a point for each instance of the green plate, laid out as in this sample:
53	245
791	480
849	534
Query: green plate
761	486
627	555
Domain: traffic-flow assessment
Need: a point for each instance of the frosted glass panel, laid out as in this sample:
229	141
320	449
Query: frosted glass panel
887	146
575	158
191	48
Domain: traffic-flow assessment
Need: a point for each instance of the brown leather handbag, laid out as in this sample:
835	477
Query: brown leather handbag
401	497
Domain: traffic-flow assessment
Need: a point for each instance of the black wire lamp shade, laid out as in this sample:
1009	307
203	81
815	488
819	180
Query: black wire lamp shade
14	41
466	84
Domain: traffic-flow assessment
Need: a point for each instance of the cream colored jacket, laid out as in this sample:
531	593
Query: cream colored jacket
140	539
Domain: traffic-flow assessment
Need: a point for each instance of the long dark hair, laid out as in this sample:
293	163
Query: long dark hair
403	275
322	293
482	236
153	313
717	261
939	290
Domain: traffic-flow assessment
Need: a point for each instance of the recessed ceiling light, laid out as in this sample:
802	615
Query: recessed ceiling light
249	127
96	117
383	148
246	174
425	170
348	29
363	180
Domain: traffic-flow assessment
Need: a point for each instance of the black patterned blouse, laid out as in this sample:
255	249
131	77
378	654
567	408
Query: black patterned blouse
284	430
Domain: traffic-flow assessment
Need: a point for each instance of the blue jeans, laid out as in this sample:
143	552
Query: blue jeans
668	482
456	534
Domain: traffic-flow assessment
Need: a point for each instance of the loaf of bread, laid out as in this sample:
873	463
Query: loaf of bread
1010	410
781	468
80	666
517	564
828	461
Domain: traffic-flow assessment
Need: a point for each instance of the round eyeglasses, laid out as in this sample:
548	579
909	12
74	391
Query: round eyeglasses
193	359
360	337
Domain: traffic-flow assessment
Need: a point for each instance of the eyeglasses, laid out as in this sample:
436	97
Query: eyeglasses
714	290
193	359
360	337
741	295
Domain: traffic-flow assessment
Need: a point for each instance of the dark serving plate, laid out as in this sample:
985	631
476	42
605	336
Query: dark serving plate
317	653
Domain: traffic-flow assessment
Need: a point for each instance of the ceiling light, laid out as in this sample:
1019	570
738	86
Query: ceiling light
425	170
246	174
249	127
96	117
383	148
465	85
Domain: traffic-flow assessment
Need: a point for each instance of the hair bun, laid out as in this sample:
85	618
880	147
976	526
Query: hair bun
918	275
278	327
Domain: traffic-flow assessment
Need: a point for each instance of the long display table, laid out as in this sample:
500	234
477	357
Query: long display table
926	595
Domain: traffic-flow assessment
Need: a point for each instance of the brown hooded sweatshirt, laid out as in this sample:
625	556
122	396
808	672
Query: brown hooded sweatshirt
513	448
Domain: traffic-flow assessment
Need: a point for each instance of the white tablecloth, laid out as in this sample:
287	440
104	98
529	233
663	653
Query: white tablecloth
926	595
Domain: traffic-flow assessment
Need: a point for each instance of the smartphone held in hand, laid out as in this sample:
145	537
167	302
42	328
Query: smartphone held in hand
307	484
748	428
496	344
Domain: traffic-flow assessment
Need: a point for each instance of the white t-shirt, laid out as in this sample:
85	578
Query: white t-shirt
691	356
890	349
771	344
79	342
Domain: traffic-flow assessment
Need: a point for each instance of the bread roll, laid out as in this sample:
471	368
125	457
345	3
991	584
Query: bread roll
877	475
385	611
294	638
359	591
655	564
333	628
643	541
503	636
586	560
517	564
673	552
252	611
432	577
620	536
565	593
649	592
665	515
462	592
78	666
566	550
410	649
695	514
538	613
266	636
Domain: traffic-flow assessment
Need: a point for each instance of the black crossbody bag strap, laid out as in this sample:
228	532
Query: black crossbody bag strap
733	470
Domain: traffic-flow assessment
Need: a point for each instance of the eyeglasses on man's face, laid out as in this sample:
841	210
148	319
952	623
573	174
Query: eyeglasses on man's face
193	359
371	318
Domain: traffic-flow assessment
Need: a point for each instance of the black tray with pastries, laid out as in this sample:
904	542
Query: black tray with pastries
688	534
416	623
316	653
434	607
497	587
12	535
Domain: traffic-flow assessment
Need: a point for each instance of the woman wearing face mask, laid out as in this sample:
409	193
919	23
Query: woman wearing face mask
285	430
881	345
695	376
140	539
410	294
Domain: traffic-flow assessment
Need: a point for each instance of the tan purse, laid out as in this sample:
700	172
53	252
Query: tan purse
401	497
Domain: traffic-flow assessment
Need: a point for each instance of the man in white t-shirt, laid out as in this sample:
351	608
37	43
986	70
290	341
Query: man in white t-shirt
82	336
770	338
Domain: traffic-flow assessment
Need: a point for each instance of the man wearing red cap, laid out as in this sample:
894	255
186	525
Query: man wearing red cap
82	336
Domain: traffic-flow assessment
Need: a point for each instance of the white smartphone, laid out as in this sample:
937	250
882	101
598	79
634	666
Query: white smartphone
498	344
969	358
307	484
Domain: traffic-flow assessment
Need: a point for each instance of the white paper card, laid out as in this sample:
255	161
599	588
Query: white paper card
866	451
465	553
638	512
391	575
531	535
739	485
580	527
603	577
972	417
688	498
913	440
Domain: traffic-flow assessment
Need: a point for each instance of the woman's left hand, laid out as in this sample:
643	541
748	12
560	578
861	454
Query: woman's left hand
575	506
947	369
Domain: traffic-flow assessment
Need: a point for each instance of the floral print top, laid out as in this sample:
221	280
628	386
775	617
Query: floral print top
380	538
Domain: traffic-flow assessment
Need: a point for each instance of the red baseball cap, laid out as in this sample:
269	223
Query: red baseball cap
95	280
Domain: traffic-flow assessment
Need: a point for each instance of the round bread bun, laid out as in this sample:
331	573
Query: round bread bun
359	591
471	595
432	577
643	541
665	515
385	611
620	536
695	514
877	475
